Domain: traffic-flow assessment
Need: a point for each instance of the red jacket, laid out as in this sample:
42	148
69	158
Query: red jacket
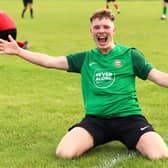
6	22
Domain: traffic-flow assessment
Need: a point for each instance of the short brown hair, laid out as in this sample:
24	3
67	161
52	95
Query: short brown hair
107	13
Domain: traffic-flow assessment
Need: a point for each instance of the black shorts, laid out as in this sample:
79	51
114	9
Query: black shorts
165	0
4	34
110	0
127	130
25	2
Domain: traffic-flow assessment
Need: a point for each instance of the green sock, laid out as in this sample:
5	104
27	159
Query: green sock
164	10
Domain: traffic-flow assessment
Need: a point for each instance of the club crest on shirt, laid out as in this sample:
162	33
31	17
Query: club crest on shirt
117	63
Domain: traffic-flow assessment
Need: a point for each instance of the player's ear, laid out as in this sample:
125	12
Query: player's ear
114	30
91	31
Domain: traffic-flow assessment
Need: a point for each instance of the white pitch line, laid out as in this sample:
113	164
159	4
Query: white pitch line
110	162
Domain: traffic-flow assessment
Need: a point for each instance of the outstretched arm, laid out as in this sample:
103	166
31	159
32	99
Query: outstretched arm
158	77
11	48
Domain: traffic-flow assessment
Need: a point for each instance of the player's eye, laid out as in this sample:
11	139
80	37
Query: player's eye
96	27
106	27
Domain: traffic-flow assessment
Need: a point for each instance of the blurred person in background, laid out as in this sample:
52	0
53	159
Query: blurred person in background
116	5
8	26
27	4
164	9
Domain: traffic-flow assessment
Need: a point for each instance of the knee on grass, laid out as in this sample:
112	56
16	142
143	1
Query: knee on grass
158	155
66	154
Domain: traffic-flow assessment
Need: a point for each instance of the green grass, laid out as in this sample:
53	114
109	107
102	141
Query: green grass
38	105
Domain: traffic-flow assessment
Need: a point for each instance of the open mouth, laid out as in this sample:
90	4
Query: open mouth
102	39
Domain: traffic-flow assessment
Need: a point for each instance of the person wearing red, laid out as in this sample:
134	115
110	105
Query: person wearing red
8	26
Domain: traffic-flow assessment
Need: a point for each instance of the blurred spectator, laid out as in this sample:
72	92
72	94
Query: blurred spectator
116	5
164	9
8	26
27	4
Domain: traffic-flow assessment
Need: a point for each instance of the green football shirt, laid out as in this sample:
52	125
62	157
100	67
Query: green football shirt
108	80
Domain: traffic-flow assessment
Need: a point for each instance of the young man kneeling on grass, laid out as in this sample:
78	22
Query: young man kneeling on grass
108	74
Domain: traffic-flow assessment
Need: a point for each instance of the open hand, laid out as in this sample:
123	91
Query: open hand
9	47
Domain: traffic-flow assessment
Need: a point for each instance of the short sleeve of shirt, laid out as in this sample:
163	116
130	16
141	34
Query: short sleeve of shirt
75	62
140	64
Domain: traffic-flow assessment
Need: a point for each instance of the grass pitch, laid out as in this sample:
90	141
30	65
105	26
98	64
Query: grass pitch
38	105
